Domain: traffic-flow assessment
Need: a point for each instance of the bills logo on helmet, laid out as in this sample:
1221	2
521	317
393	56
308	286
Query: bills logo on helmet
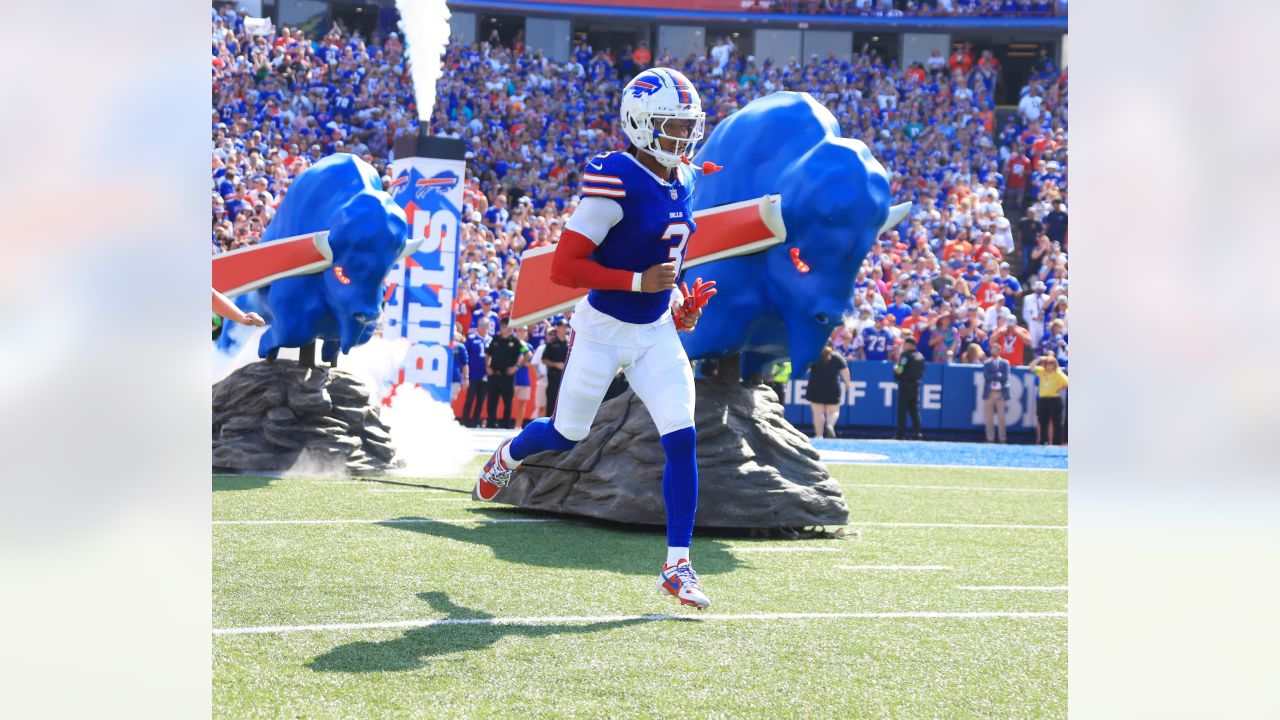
442	183
645	85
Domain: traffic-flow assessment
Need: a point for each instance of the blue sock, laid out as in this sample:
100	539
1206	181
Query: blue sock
538	436
680	485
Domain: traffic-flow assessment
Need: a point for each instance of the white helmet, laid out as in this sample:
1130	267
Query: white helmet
651	99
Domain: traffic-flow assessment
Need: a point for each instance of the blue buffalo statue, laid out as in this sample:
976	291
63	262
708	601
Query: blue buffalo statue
340	304
835	202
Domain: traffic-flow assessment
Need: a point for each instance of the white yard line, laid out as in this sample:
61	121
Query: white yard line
893	567
1045	588
581	619
958	467
957	525
410	521
782	549
407	491
394	521
951	487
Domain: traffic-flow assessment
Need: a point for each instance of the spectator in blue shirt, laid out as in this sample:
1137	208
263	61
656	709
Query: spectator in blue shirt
1011	287
478	390
485	312
877	341
900	310
461	370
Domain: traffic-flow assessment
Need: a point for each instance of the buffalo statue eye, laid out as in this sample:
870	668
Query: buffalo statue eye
342	278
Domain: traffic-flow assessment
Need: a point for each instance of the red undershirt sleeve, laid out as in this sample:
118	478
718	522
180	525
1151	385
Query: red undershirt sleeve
572	266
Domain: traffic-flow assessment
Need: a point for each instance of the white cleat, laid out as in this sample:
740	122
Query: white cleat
681	582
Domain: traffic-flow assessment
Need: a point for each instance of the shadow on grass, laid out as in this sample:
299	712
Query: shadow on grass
609	547
413	649
240	482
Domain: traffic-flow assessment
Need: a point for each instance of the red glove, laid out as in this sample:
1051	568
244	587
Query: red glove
686	313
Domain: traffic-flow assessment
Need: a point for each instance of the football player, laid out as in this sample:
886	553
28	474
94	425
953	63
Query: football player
625	243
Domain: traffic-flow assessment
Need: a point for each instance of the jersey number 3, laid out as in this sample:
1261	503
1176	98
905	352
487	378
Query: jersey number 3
677	236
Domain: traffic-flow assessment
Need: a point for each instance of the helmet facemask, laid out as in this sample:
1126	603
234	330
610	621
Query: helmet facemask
664	129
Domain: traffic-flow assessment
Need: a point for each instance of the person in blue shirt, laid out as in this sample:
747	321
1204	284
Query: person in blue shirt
477	346
1010	285
461	371
485	311
900	310
877	341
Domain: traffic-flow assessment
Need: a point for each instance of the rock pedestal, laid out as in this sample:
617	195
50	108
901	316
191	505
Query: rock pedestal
274	416
754	469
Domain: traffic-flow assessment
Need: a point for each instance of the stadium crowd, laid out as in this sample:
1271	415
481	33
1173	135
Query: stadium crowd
980	261
911	8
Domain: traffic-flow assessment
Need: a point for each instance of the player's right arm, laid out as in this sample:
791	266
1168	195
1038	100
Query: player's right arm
572	266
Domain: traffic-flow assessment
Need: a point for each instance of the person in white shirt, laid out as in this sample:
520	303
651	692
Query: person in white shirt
1029	106
720	54
1033	307
1003	235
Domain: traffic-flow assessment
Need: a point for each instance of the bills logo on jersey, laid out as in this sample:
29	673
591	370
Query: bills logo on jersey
645	85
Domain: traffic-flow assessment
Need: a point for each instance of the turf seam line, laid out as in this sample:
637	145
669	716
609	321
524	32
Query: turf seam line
580	619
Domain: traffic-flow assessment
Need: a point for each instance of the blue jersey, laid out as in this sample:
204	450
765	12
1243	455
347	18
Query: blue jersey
657	220
876	343
476	350
459	359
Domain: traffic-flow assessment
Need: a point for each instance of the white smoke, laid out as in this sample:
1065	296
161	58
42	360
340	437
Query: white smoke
429	442
425	24
225	363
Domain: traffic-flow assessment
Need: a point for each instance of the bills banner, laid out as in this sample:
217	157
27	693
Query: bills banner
420	289
950	398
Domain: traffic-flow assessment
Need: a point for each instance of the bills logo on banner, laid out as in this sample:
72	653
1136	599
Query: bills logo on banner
420	289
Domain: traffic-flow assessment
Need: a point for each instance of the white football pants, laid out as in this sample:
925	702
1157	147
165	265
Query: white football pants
652	357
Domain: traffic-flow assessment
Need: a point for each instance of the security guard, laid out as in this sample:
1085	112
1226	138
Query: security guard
505	355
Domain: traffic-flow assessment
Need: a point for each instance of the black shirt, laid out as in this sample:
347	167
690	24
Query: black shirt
824	380
557	350
505	353
1055	226
912	364
1029	229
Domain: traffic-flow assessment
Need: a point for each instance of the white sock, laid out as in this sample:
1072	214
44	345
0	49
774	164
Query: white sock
676	554
506	458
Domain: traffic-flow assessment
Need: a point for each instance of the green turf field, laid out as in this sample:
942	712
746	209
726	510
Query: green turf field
557	618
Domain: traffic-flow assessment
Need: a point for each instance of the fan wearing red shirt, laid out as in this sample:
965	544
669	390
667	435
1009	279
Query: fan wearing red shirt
1017	170
989	293
1008	339
957	249
986	249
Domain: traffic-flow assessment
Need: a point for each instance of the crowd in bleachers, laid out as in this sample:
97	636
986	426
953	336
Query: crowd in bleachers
967	268
911	8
